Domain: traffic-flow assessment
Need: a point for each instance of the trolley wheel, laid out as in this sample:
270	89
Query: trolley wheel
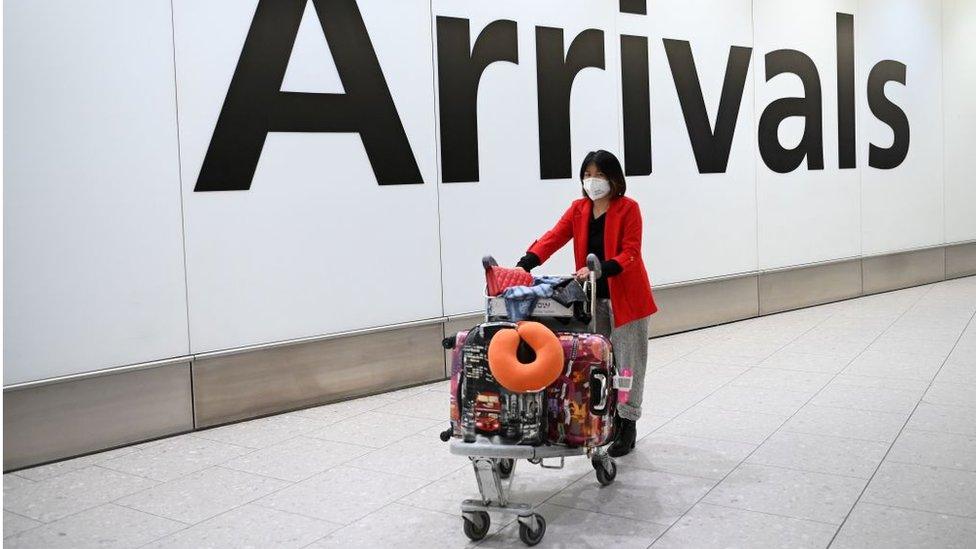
505	467
606	471
476	532
532	537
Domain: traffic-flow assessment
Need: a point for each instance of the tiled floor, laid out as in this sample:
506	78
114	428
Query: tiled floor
846	425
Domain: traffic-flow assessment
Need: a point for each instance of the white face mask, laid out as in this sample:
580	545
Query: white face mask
596	188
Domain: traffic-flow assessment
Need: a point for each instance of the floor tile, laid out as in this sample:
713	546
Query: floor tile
846	422
61	467
342	495
75	491
786	492
651	496
756	399
12	481
567	527
805	362
866	398
950	394
296	459
697	457
891	343
331	413
923	488
529	484
263	432
898	365
792	380
376	429
175	457
959	420
719	357
936	449
713	527
415	456
201	495
728	425
833	347
877	527
433	405
821	454
670	403
958	369
249	526
386	528
104	526
14	524
649	423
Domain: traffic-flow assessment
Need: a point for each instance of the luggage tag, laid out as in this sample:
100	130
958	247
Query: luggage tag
623	383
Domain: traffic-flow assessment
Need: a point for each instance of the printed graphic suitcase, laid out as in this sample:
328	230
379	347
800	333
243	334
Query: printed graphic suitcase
482	405
457	369
581	403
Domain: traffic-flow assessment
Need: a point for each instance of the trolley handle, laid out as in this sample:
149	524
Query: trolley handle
592	263
596	271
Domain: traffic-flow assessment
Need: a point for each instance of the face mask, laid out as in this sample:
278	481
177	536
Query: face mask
596	188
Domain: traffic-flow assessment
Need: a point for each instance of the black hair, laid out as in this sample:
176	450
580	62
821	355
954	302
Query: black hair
608	164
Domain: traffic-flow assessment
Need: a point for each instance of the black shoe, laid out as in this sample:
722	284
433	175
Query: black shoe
626	438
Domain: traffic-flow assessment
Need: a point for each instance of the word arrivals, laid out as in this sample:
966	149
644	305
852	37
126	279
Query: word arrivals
255	104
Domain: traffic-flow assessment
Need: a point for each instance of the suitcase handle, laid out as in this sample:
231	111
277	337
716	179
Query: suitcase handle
599	385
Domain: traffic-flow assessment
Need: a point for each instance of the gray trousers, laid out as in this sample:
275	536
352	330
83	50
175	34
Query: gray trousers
630	351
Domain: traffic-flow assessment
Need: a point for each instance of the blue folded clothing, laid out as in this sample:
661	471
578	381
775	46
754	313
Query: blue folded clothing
520	300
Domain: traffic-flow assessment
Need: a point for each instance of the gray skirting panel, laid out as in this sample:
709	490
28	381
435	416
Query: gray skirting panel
74	417
961	260
884	273
50	421
244	385
786	289
688	306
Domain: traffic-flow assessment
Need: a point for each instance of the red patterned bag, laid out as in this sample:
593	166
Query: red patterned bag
500	278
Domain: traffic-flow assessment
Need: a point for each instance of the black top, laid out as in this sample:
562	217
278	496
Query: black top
594	245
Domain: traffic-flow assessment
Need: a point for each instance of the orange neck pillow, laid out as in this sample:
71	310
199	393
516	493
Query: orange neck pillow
534	376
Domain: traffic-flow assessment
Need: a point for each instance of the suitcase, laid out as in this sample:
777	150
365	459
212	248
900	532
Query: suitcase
456	343
582	403
480	405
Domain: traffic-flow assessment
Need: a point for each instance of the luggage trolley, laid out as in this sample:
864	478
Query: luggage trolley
494	460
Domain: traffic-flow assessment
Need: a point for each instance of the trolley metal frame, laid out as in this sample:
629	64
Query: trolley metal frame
494	461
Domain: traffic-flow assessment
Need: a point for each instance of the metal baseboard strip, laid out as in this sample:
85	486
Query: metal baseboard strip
57	421
961	260
65	417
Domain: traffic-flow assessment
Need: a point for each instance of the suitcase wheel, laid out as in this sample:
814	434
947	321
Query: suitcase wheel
505	467
606	471
531	536
476	525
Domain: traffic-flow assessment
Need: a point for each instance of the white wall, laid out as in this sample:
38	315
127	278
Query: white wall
958	88
105	266
93	243
315	246
903	207
712	214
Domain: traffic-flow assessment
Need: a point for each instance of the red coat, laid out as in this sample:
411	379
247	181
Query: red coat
630	291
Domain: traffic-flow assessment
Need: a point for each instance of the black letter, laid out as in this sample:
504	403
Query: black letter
555	83
637	104
889	113
637	7
255	104
711	148
846	148
809	107
459	72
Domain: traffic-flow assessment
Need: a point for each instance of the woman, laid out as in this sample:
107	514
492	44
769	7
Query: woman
606	223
